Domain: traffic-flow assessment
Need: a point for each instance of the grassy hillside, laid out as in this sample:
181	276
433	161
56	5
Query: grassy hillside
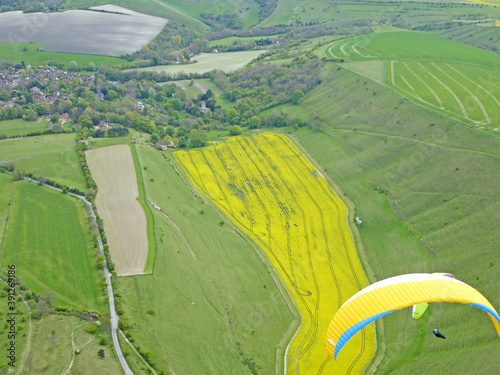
457	80
370	13
53	156
426	194
20	127
15	53
408	46
55	339
206	62
49	242
5	203
210	296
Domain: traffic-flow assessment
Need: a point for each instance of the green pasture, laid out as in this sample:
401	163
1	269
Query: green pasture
147	210
192	90
199	86
247	11
165	9
53	156
20	127
425	190
5	203
212	302
468	91
108	141
48	240
52	351
296	111
206	62
14	52
372	13
229	41
408	46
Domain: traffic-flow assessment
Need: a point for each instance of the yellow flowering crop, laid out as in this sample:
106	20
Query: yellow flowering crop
275	196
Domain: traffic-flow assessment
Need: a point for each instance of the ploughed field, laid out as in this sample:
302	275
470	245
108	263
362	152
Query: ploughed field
123	217
278	199
82	31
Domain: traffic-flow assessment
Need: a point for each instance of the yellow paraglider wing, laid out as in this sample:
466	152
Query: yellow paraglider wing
419	309
389	295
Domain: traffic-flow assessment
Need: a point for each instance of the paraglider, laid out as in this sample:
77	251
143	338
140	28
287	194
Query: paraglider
438	334
389	295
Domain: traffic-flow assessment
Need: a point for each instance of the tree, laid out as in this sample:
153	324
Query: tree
73	66
197	137
255	122
100	353
86	122
112	95
57	127
297	96
31	115
235	130
4	95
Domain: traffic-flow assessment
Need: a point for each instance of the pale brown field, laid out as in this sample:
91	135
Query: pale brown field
123	217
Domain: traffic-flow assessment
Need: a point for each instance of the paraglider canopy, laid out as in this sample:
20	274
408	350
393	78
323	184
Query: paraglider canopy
389	295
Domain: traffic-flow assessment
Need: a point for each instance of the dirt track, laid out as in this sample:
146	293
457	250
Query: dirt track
124	218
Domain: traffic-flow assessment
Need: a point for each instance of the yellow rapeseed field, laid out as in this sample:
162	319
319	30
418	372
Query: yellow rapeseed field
270	190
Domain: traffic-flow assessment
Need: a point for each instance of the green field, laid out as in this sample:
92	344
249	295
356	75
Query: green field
206	62
426	193
200	86
34	57
408	46
5	203
49	242
227	307
230	40
468	91
54	340
53	156
159	9
454	79
20	127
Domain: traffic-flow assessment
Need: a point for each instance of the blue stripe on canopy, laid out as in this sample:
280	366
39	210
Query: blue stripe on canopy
346	336
489	310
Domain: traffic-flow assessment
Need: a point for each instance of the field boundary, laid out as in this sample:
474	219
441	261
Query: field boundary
7	221
297	318
150	223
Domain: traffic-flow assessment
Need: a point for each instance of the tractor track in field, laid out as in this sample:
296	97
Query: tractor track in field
485	113
348	256
438	99
310	335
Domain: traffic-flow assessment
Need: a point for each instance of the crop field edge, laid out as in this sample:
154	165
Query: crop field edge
361	251
150	261
297	319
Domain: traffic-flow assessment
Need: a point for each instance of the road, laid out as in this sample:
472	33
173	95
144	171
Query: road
114	315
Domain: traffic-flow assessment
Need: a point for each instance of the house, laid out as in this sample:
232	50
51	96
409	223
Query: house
99	96
36	93
103	125
140	106
203	107
65	117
